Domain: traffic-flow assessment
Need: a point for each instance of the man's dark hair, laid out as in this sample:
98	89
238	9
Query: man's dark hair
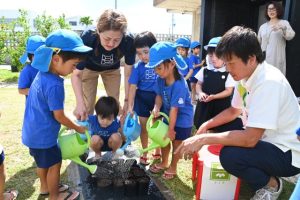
241	42
144	39
68	55
277	6
107	106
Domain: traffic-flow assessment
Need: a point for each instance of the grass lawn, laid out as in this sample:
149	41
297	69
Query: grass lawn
20	167
7	76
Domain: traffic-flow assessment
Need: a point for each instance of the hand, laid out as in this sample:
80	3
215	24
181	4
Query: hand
190	146
202	129
209	98
171	134
202	96
80	129
155	112
80	112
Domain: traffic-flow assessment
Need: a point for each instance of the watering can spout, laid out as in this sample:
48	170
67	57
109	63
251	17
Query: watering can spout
149	148
91	168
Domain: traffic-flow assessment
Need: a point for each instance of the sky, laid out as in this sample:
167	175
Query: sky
141	14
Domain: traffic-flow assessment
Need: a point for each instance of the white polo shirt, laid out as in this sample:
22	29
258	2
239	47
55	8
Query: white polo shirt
270	103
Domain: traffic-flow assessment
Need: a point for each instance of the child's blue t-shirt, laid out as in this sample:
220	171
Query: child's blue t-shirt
195	60
46	94
176	95
144	78
189	64
95	128
27	76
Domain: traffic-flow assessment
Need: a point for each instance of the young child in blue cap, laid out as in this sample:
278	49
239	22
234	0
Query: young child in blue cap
142	94
28	73
173	96
44	112
183	46
215	88
197	64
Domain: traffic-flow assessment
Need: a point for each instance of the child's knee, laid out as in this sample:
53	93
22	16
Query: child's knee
115	141
96	141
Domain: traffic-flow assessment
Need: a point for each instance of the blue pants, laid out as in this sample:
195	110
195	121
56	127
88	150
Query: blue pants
256	165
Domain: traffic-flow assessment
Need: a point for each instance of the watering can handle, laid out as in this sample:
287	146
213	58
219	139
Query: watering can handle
63	129
151	117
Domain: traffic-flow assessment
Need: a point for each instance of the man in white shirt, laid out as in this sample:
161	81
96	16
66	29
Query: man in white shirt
268	147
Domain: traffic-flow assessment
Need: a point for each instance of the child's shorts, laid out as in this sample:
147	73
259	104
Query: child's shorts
182	133
45	158
144	103
2	157
193	80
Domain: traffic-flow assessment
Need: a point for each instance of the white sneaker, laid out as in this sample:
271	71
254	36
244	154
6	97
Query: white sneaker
267	193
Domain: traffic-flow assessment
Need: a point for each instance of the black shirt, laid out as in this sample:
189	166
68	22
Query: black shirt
99	59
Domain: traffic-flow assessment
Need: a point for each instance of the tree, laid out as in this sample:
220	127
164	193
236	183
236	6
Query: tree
86	21
19	31
3	39
45	24
62	22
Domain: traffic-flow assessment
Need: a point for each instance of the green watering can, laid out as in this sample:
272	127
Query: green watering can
157	132
72	146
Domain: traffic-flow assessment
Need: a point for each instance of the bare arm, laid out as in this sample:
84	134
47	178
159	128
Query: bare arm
189	74
157	106
60	116
224	117
80	111
172	122
127	72
131	96
23	91
201	95
243	138
225	93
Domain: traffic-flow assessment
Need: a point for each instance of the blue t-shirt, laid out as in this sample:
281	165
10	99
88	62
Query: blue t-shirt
195	60
144	78
96	129
189	64
46	94
26	77
176	95
99	59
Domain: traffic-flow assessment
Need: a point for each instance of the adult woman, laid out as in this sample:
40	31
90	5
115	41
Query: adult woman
273	34
110	43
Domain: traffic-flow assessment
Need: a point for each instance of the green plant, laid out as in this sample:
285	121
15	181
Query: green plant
19	31
86	21
62	22
45	24
3	39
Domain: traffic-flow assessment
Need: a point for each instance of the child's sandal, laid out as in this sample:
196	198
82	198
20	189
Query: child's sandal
144	160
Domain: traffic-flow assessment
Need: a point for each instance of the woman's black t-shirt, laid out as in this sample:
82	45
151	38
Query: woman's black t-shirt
99	59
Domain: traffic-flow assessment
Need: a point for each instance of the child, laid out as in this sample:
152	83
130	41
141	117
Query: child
44	112
11	194
141	90
195	60
28	73
104	127
173	94
183	45
215	86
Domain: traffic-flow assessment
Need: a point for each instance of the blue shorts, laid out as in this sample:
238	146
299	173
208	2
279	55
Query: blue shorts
182	133
2	157
45	158
193	80
105	146
144	103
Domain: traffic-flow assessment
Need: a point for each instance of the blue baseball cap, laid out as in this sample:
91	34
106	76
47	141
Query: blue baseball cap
33	42
183	42
61	39
213	42
162	51
195	44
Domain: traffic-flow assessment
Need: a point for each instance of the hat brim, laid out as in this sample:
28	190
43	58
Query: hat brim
153	64
206	46
180	63
23	59
42	58
81	49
